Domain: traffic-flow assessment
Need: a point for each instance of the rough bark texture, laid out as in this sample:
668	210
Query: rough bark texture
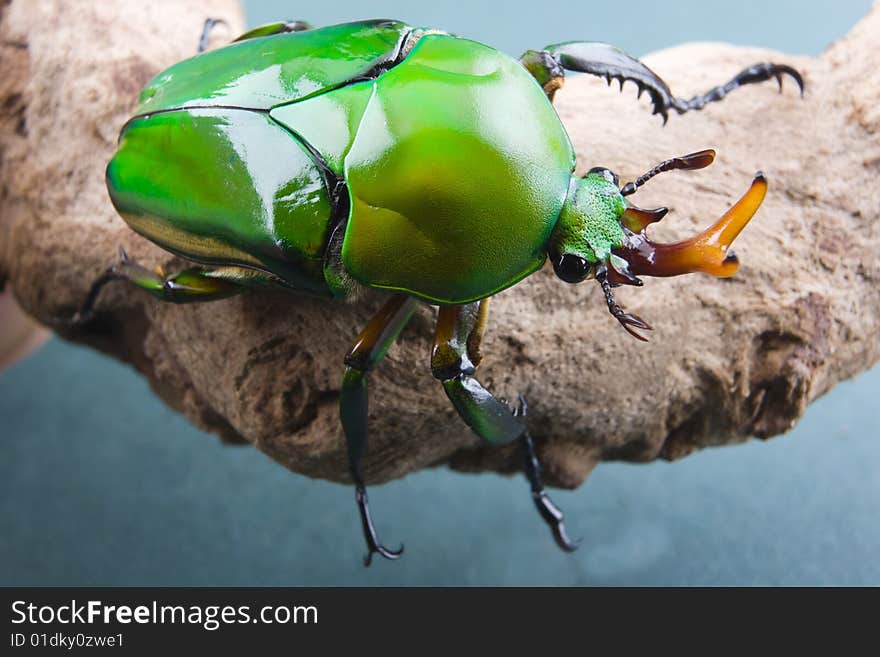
729	359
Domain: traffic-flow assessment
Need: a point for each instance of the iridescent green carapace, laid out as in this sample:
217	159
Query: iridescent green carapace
423	165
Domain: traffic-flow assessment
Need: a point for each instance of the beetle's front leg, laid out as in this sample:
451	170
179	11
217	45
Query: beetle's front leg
627	320
369	348
548	67
454	359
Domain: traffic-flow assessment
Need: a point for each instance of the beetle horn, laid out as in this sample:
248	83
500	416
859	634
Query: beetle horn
637	219
709	252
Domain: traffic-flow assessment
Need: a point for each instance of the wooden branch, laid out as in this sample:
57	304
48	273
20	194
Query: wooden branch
729	359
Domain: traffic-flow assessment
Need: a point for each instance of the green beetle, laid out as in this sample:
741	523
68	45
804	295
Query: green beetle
377	155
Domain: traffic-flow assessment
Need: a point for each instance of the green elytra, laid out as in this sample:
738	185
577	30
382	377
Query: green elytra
409	160
432	151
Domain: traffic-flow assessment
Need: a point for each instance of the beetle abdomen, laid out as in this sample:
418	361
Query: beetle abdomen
224	186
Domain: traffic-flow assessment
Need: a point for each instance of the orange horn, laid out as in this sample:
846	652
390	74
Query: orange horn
637	219
707	252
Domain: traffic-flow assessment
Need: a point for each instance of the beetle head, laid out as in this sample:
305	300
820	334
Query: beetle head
599	233
589	226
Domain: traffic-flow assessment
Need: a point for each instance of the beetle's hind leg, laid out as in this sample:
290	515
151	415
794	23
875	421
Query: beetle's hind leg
207	28
370	347
548	67
454	359
269	29
190	285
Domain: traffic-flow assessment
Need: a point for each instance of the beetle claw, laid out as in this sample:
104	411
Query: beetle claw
779	70
634	320
80	318
520	408
373	545
627	321
550	513
554	518
385	552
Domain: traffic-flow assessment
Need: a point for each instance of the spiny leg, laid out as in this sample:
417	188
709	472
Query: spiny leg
454	358
190	285
269	29
370	347
760	72
548	66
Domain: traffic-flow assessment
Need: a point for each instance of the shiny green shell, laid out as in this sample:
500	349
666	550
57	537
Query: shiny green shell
445	166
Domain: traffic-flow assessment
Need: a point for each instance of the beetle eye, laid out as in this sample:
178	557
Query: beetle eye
607	174
571	268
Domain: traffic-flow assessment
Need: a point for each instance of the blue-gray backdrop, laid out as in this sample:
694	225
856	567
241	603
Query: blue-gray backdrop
100	484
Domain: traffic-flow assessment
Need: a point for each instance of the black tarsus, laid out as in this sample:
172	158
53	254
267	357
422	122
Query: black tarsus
756	73
86	312
551	514
370	537
612	63
627	320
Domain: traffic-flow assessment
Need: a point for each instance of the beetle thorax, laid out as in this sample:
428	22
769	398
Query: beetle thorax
589	224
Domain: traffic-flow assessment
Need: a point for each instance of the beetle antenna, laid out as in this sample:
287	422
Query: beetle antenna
698	160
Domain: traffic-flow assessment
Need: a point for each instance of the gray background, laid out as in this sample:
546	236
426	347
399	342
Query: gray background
102	485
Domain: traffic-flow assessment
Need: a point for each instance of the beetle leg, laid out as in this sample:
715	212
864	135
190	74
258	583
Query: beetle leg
189	285
207	28
370	347
454	359
551	513
269	29
546	69
605	60
628	321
